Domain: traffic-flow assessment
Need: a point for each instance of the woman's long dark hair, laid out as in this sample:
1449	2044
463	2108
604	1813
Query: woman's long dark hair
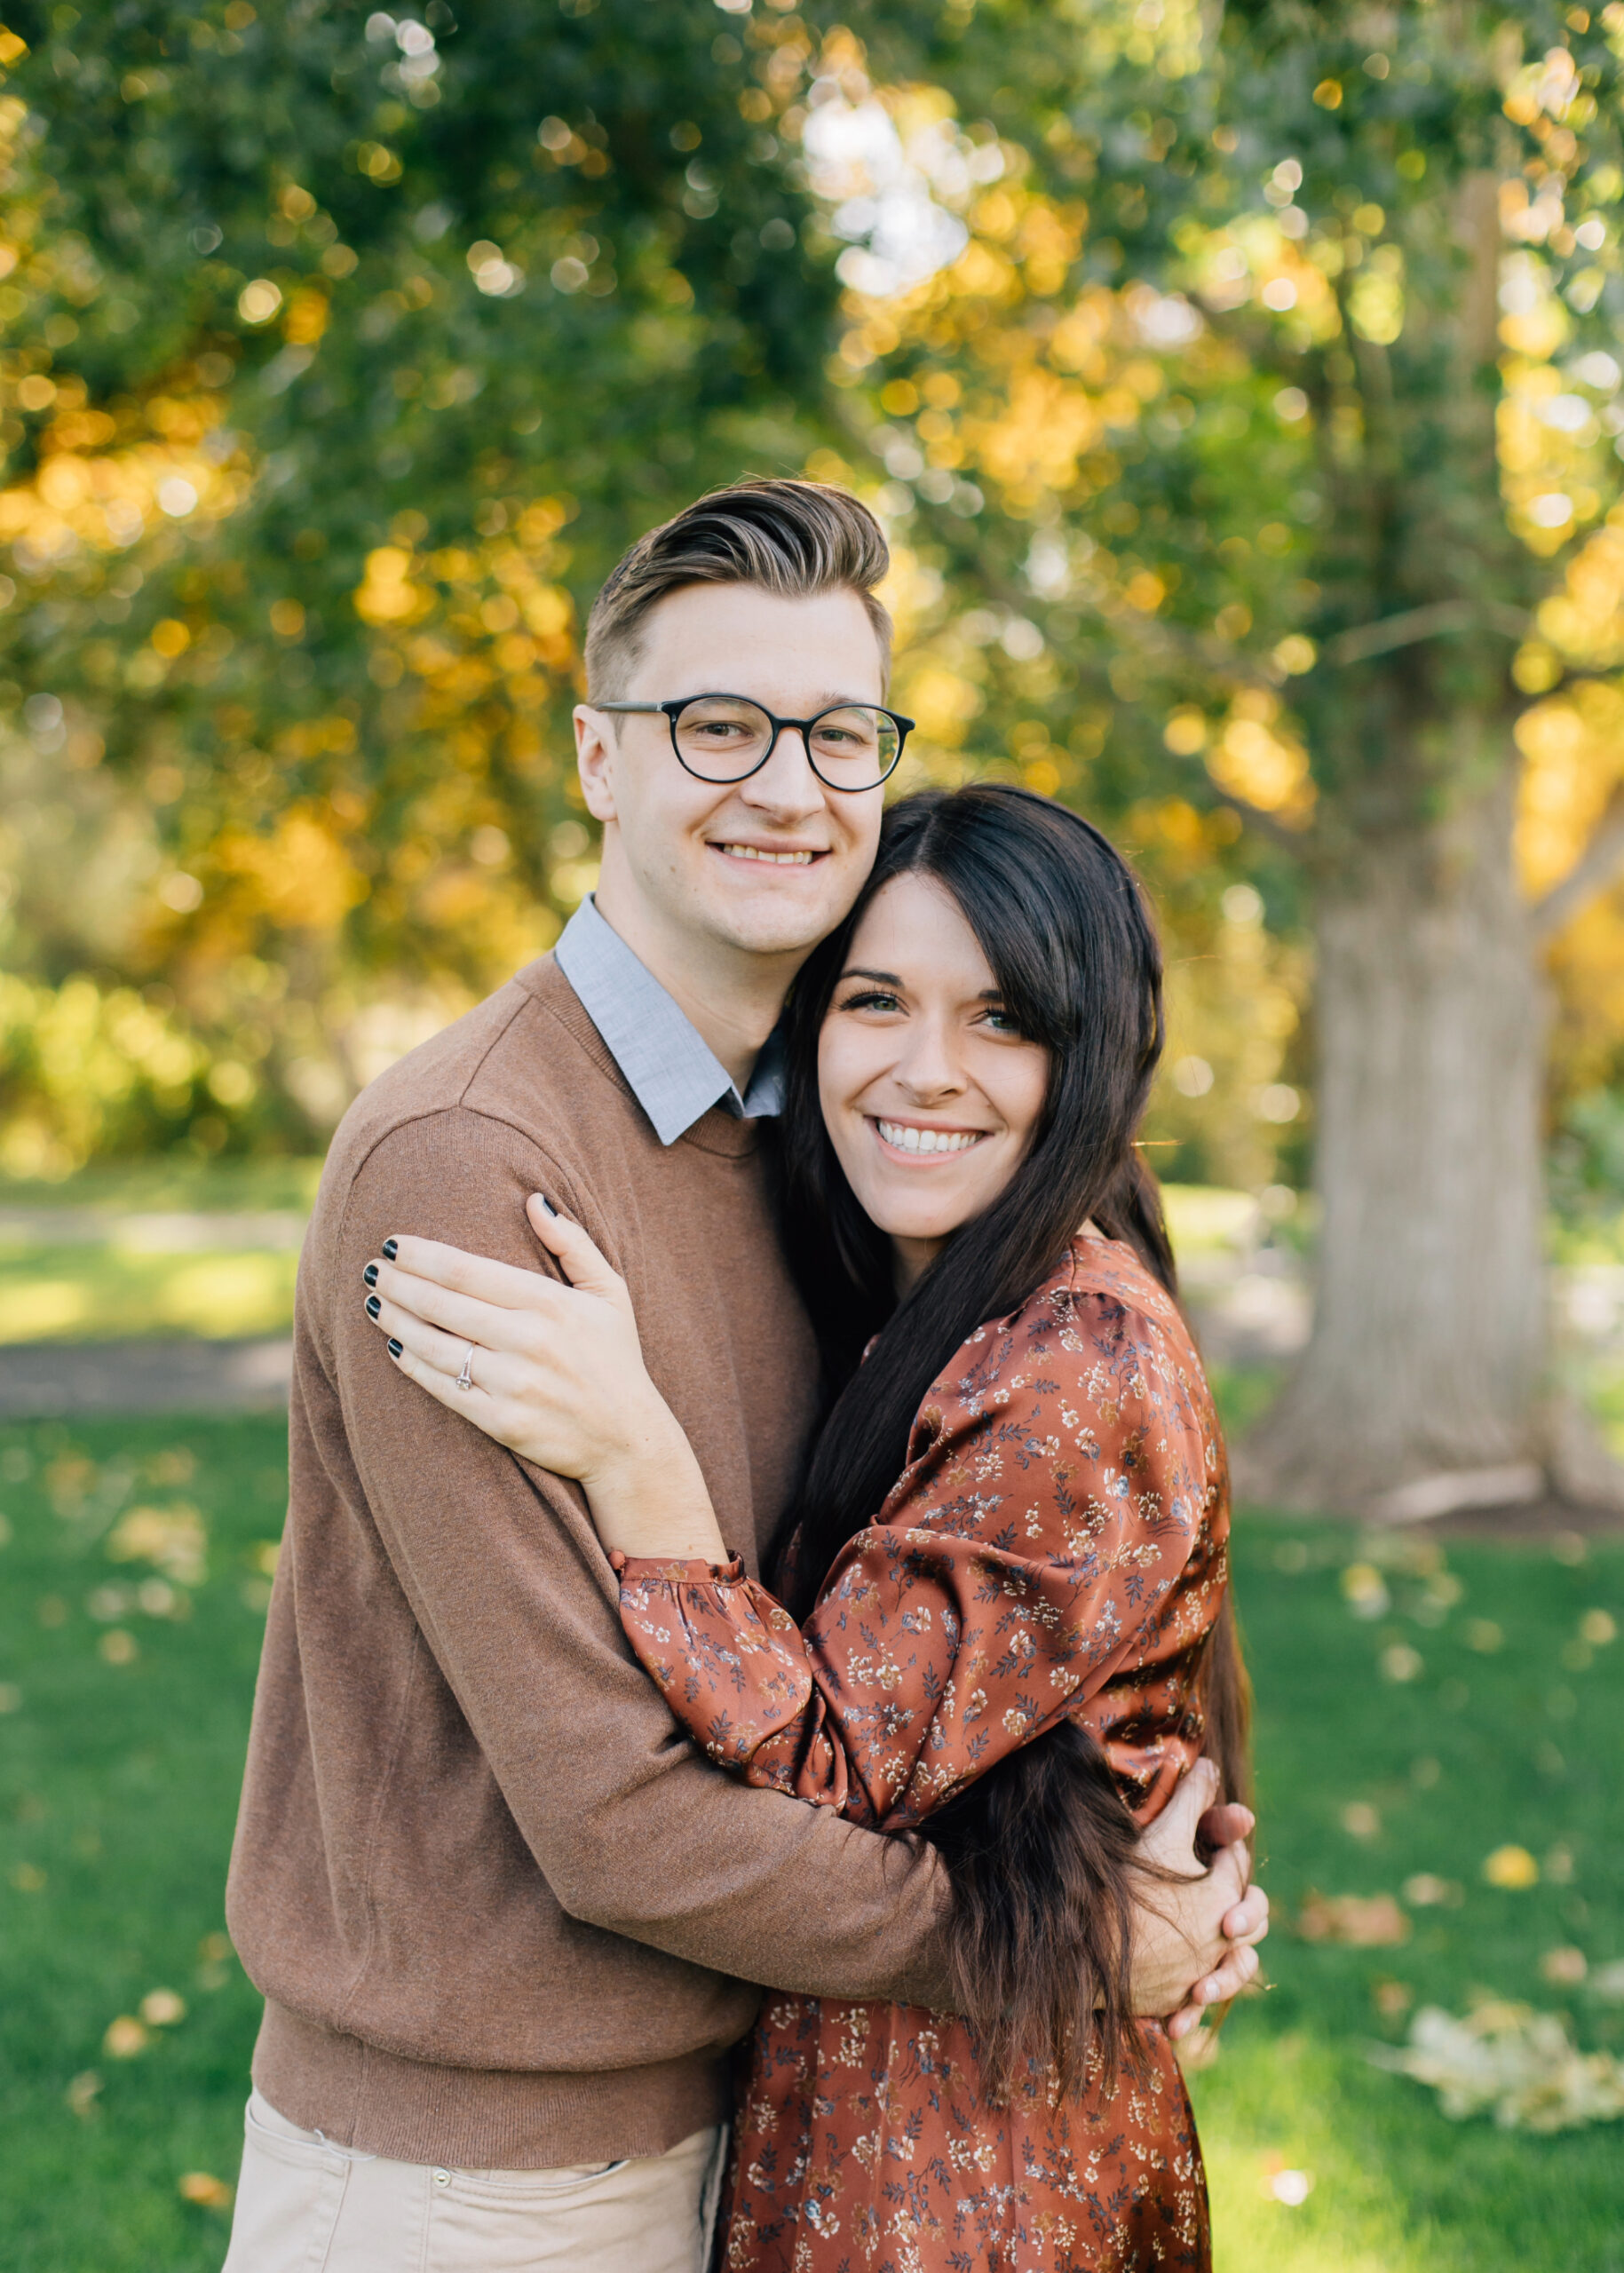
1041	1849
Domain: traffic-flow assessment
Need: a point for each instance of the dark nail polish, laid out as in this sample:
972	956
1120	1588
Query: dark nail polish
374	1307
394	1347
392	1247
548	1205
369	1275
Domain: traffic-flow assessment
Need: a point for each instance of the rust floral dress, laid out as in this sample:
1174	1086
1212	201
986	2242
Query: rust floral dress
1056	1544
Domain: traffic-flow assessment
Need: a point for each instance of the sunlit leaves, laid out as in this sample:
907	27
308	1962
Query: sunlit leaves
301	311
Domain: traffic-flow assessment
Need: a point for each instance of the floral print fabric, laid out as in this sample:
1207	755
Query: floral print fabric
1056	1545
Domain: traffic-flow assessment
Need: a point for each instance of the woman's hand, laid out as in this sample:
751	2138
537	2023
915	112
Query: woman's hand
554	1372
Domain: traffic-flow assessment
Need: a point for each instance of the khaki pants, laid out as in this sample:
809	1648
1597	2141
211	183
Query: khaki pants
306	2207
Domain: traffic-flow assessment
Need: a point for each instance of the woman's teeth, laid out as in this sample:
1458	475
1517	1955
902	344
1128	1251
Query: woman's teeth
927	1140
779	859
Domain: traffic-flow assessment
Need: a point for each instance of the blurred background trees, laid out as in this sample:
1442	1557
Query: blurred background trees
1239	386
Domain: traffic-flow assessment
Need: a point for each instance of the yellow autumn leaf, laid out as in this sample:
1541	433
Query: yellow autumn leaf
1512	1867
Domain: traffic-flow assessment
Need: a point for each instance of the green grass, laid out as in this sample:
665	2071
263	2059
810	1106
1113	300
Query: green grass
130	1279
1516	1743
170	1180
118	1787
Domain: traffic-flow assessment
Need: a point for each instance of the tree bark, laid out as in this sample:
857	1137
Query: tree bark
1427	1358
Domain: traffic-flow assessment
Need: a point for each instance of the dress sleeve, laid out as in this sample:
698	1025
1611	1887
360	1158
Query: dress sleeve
1057	1478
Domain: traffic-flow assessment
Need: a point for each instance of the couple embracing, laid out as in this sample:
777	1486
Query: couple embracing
749	1754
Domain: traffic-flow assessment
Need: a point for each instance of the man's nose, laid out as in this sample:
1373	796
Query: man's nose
786	785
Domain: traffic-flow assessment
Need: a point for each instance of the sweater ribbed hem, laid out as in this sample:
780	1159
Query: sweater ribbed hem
472	2119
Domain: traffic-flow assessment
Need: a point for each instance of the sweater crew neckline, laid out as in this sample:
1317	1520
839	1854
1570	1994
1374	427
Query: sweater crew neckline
716	1130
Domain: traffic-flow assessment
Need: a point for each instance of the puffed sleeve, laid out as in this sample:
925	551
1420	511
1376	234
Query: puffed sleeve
1058	1478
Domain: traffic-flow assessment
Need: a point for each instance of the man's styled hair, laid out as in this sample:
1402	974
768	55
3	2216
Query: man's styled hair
792	538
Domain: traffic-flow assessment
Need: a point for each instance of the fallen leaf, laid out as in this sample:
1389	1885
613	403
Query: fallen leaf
1426	1891
1513	1867
174	1538
1292	2188
1361	1820
202	2187
1607	1983
1598	1628
82	2094
1400	1662
1483	1635
1508	2061
27	1878
1392	1999
125	2038
1366	1590
1363	1921
162	2008
1563	1967
118	1647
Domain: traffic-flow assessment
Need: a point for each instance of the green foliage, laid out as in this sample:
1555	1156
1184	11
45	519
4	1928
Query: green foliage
415	327
1299	224
325	335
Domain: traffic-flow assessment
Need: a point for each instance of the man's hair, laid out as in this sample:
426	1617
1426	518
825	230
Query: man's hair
792	538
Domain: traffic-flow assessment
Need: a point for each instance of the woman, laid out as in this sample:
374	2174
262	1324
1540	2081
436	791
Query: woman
1002	1619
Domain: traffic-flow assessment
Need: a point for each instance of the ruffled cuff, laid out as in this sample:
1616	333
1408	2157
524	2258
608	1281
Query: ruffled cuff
694	1572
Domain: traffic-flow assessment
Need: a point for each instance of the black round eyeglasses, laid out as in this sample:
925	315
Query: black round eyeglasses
727	738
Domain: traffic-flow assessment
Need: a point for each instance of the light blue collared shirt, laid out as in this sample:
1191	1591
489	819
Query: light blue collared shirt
672	1071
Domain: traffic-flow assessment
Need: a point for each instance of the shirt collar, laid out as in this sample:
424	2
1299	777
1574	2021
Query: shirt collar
671	1070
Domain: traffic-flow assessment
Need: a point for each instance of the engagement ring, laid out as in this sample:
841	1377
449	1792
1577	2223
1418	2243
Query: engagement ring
464	1380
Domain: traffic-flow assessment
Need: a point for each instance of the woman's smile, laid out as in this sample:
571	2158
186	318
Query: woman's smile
923	1140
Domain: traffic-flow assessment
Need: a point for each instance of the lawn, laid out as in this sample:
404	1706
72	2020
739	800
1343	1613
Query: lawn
153	1248
125	1684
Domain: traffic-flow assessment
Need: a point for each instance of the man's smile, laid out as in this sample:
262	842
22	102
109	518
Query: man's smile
801	859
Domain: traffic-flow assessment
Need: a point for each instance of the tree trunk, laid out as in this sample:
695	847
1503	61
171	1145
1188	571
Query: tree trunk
1424	1382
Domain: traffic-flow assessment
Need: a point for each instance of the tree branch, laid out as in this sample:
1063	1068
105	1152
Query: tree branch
1416	624
1593	871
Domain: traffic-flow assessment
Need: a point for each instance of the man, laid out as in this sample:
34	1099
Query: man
503	1917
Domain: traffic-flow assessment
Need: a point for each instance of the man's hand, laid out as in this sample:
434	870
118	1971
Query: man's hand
1195	1934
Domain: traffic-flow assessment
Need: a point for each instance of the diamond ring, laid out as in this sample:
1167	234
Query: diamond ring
464	1380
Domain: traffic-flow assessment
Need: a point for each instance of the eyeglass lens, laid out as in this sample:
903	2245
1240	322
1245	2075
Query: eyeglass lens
722	738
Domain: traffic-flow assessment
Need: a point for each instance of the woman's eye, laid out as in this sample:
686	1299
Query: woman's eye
873	998
1003	1022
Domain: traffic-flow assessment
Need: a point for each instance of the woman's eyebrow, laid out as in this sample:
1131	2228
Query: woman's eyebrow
883	978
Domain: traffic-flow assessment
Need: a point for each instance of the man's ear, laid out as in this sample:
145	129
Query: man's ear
595	755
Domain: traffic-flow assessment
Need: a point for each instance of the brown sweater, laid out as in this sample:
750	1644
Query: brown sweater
502	1914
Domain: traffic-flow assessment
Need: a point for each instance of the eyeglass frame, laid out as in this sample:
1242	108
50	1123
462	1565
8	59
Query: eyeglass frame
671	711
